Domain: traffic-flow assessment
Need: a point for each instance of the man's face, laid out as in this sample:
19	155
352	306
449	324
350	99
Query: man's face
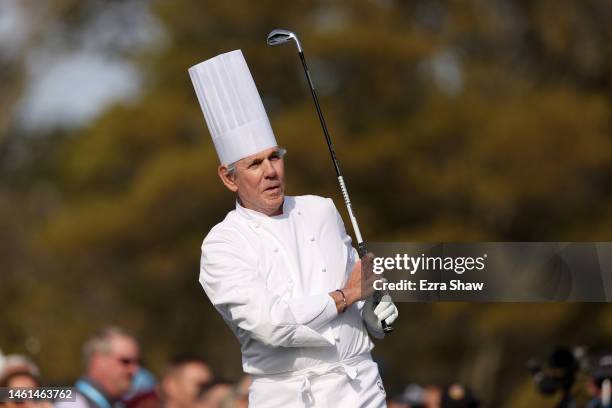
259	181
22	381
183	387
115	369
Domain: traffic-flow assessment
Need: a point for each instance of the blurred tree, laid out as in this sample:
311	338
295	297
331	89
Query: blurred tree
453	121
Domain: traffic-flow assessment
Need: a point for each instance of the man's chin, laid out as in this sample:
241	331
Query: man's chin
275	202
276	195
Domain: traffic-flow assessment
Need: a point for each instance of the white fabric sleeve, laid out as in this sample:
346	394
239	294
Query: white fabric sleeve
231	281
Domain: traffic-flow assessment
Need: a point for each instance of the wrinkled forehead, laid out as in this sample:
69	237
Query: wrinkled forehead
259	155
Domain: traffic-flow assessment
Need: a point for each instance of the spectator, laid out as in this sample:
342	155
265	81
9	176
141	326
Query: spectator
217	394
17	362
22	377
143	393
183	381
223	394
239	394
600	384
416	396
411	397
111	358
458	396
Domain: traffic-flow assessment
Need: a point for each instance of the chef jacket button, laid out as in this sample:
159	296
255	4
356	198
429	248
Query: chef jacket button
324	270
299	213
312	239
275	249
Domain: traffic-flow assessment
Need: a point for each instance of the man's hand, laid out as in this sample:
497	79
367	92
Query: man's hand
360	284
385	310
361	280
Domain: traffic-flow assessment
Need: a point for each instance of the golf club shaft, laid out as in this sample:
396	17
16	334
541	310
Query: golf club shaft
361	246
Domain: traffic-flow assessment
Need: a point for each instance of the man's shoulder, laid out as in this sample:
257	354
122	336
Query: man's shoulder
226	229
313	202
233	229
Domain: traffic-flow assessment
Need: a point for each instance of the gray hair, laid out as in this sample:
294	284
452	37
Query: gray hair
100	342
231	168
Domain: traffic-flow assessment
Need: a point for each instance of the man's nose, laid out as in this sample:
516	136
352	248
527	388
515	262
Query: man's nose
269	169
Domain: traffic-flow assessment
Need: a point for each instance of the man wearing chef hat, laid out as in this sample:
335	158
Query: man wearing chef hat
281	270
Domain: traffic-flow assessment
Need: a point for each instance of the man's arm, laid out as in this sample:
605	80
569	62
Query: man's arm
230	279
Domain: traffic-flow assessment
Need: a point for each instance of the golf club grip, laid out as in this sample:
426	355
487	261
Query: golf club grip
362	250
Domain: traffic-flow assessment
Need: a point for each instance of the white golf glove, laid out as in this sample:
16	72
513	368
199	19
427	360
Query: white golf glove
385	310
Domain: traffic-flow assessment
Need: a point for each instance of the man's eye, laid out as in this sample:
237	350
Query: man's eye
274	157
254	165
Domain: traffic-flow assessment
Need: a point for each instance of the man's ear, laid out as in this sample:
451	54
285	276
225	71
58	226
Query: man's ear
227	178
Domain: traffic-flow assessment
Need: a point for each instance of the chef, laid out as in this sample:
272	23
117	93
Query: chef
281	270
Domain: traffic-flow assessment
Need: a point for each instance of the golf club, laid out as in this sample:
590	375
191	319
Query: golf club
280	37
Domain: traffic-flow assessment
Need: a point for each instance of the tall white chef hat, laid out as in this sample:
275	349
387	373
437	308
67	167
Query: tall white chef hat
233	110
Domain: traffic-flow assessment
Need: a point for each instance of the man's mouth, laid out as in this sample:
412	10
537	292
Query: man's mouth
273	189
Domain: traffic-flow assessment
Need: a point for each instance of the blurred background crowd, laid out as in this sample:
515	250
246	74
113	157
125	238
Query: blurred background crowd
114	376
479	120
112	365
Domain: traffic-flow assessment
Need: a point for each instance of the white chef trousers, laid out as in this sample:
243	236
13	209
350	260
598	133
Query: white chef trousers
352	383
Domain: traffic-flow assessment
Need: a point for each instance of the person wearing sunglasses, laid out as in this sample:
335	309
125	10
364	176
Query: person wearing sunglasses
111	359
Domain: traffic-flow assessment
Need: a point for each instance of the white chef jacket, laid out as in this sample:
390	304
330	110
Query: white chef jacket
270	279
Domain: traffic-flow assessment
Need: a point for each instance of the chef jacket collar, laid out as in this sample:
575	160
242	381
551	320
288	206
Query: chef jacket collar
256	216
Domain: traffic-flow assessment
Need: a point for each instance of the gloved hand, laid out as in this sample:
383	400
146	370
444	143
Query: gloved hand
385	310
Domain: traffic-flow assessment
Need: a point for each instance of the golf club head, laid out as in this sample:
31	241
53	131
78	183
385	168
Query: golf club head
280	36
